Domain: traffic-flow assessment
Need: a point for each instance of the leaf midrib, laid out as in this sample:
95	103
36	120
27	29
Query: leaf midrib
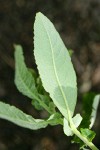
55	72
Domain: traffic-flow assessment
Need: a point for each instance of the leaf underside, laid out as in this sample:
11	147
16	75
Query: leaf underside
54	65
16	116
23	77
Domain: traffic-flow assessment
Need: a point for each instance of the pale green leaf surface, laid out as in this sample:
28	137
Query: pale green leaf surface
54	65
66	128
76	120
23	77
16	116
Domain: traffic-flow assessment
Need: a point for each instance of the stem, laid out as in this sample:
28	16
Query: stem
84	139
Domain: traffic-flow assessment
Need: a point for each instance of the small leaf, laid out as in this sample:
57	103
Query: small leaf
23	77
77	120
94	110
89	134
52	107
39	86
78	141
55	119
33	72
36	104
70	52
16	116
54	65
44	99
90	105
66	128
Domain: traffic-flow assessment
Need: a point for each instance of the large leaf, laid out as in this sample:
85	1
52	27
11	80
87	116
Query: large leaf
25	81
54	65
16	116
23	77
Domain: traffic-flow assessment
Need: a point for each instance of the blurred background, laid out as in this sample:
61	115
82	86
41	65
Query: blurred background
78	23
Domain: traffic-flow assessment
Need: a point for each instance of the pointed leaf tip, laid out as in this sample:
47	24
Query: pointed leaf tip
54	65
24	80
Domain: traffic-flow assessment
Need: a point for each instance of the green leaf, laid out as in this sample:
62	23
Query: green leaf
52	107
66	128
89	134
55	119
39	86
90	106
44	98
16	116
76	120
55	66
77	140
24	80
34	74
70	52
94	109
23	77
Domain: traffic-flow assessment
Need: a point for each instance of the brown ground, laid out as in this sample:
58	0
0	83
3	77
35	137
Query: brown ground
78	23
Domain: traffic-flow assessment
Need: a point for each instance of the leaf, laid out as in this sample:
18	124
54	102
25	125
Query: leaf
89	134
44	98
23	77
76	120
90	105
66	128
52	107
39	86
55	66
55	119
16	116
34	74
87	109
76	139
70	52
94	110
